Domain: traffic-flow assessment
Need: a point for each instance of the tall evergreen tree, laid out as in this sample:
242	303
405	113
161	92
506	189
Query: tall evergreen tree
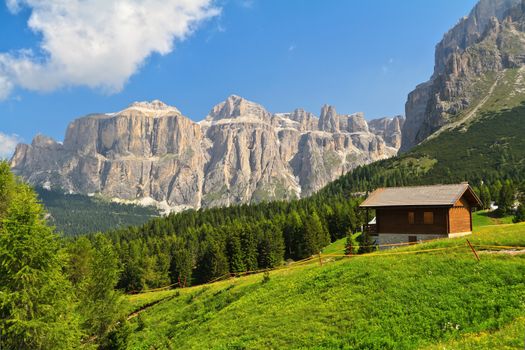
271	245
181	268
484	196
316	237
102	306
506	199
36	299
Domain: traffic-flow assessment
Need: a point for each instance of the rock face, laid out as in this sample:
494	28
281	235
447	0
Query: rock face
389	129
239	153
467	61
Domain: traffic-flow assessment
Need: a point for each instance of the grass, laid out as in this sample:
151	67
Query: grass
508	337
485	218
444	299
138	301
337	247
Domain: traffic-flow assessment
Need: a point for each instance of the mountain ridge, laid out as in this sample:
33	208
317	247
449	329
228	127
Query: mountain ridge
150	153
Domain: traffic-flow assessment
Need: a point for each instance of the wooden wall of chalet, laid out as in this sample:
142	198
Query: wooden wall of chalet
459	214
395	220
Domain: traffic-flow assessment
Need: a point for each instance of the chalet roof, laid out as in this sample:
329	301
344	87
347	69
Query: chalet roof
436	195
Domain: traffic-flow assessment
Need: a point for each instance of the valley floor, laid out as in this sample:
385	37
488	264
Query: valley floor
434	295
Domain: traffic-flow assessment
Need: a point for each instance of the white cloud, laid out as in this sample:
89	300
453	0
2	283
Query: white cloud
5	87
96	43
8	144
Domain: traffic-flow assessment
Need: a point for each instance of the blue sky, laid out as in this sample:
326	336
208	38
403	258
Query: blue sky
356	55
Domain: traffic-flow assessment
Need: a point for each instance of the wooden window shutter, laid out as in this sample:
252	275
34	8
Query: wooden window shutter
428	218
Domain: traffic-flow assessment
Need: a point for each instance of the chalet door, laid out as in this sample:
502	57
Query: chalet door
412	239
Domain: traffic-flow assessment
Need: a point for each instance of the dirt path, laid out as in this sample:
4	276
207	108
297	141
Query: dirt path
505	251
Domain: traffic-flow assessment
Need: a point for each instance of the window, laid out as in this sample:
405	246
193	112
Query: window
411	217
428	218
412	239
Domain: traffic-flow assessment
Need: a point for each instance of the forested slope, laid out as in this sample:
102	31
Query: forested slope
74	214
491	148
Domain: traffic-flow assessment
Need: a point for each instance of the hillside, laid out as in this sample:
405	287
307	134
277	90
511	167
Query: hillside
486	143
484	44
386	300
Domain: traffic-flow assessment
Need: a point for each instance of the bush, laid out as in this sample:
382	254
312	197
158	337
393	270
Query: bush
520	214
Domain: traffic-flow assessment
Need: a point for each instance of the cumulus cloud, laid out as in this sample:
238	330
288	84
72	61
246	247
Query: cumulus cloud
8	144
96	43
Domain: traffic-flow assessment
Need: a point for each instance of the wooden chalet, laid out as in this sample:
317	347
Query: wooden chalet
411	214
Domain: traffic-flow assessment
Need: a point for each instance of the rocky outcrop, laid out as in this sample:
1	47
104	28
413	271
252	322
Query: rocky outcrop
389	129
240	153
489	40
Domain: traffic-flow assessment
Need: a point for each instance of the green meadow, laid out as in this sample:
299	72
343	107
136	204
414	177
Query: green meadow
434	295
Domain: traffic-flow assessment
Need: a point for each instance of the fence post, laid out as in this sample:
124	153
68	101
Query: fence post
320	260
473	250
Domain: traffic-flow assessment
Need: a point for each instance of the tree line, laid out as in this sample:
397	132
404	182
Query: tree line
197	246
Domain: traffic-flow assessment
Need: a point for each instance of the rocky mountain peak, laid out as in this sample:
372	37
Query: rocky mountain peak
469	29
470	62
150	108
43	141
236	107
328	120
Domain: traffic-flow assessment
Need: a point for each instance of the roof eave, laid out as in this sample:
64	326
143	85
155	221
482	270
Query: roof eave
406	206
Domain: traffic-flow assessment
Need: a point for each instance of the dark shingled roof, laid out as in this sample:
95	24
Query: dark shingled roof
436	195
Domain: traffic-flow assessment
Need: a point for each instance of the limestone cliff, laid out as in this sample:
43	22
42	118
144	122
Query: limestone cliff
240	153
468	61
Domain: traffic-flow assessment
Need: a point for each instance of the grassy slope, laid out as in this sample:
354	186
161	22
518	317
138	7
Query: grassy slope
485	218
388	301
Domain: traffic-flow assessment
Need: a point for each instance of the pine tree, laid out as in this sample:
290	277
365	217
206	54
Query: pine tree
36	299
7	188
292	231
212	262
234	249
352	244
80	261
181	264
316	237
506	199
102	306
484	196
270	246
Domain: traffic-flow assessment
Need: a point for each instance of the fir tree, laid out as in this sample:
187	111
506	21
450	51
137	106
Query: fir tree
36	299
101	305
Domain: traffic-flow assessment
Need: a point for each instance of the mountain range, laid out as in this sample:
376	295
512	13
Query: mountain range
240	153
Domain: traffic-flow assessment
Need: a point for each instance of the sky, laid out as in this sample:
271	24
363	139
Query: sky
60	60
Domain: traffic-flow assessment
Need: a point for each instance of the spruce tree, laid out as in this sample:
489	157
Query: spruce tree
102	306
36	299
181	264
